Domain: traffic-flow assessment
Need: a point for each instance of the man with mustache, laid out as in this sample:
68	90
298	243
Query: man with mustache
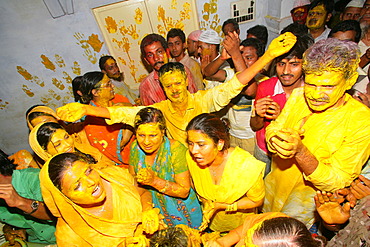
182	106
321	139
319	13
273	93
155	51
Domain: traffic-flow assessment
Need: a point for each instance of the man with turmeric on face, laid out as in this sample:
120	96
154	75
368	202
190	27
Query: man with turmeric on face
321	139
319	13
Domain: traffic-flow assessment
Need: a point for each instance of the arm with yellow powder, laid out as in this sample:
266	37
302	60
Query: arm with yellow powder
218	97
328	170
117	114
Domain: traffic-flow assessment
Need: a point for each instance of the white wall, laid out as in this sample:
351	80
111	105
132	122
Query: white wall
28	31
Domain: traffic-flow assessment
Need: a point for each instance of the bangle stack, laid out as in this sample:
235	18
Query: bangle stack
232	207
165	188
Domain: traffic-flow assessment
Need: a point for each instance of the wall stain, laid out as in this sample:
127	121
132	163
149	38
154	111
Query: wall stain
210	17
3	104
76	69
138	16
91	47
59	61
47	63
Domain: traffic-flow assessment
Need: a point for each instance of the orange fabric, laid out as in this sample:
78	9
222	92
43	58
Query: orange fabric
105	137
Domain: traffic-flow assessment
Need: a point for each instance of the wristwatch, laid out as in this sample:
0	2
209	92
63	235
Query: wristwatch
34	205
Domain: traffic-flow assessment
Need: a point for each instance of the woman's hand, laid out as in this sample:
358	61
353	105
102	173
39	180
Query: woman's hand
150	220
71	112
146	176
208	211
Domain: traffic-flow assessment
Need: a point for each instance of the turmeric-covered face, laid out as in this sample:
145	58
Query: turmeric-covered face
325	91
175	86
317	17
112	69
60	142
149	137
83	185
105	89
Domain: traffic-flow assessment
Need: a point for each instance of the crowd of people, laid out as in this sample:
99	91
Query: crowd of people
231	142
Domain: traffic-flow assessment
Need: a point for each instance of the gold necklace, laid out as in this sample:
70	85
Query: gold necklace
214	171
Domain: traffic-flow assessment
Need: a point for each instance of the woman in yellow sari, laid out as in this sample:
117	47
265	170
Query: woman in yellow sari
48	139
229	181
94	207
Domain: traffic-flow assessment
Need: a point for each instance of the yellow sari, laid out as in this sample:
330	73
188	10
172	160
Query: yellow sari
242	176
78	227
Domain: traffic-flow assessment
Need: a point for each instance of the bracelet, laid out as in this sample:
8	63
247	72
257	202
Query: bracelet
232	207
165	187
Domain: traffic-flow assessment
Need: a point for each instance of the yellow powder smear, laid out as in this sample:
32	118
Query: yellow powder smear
47	63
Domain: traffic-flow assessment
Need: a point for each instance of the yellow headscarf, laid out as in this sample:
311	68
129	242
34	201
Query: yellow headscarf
43	109
83	147
77	226
34	144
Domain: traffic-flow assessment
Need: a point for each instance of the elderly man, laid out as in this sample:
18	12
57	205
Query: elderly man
181	106
352	10
321	139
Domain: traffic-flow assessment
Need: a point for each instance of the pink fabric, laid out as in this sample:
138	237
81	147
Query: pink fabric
195	35
151	90
264	89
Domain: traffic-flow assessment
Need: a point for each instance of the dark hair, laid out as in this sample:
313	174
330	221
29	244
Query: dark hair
285	231
150	39
170	67
347	25
89	81
150	115
176	32
260	32
230	21
170	237
211	125
36	114
76	84
103	60
59	163
328	5
45	132
6	165
296	29
256	44
32	107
